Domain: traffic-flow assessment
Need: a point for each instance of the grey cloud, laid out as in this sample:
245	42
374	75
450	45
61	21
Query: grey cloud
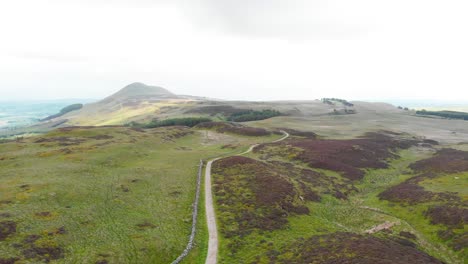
285	19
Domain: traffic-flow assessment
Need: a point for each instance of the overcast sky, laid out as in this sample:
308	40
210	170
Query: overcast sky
235	49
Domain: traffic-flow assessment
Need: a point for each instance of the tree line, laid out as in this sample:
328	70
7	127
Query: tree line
252	115
184	121
446	114
331	100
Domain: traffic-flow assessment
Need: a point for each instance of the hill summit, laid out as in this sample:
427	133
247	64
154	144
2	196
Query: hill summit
140	91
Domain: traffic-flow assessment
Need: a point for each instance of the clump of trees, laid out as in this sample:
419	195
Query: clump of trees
64	110
185	121
331	100
446	114
252	115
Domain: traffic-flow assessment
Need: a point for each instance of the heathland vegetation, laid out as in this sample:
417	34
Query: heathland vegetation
340	189
328	201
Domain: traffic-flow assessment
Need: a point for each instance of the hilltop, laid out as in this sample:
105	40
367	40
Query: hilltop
139	92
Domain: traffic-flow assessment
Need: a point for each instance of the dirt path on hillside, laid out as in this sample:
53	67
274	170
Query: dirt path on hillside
212	256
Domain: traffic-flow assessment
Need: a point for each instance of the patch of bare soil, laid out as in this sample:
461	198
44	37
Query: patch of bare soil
349	248
378	228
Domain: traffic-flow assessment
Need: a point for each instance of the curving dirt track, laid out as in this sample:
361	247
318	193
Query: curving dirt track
212	256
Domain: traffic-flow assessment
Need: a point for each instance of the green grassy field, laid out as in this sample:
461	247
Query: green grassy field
119	195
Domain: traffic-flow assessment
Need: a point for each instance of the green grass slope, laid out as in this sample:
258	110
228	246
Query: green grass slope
104	195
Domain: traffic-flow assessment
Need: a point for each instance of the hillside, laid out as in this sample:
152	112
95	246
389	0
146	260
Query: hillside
134	101
138	102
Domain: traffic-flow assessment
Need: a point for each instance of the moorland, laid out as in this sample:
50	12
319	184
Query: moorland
354	182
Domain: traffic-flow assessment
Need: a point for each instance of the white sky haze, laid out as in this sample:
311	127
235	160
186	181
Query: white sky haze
243	49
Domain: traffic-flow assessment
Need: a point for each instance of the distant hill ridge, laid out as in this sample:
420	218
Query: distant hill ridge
139	91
